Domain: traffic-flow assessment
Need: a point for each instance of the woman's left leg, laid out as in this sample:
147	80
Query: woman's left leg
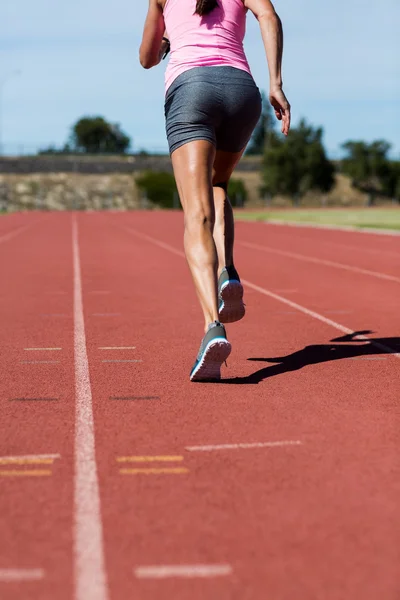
193	164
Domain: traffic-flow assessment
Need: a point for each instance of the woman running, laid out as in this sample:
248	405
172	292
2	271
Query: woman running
212	106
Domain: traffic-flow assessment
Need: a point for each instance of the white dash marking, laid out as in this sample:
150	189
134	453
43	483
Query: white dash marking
243	446
117	348
165	571
39	362
100	292
41	349
15	575
89	574
31	457
368	357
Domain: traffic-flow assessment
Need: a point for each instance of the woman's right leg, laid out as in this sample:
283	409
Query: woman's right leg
192	165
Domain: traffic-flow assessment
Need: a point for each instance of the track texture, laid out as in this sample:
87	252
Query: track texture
309	513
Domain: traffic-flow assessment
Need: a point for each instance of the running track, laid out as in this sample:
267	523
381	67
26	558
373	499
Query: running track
122	480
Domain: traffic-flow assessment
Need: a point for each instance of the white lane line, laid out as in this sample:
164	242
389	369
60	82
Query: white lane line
165	571
41	349
15	232
314	225
321	318
89	575
15	575
117	347
39	362
368	357
243	446
319	261
279	298
154	241
30	457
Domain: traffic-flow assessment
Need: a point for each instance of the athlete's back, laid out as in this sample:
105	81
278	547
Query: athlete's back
215	39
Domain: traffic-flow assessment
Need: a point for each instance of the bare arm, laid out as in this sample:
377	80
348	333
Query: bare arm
272	35
153	47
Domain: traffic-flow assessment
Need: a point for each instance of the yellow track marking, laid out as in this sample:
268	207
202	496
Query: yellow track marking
175	471
26	461
33	473
117	348
149	458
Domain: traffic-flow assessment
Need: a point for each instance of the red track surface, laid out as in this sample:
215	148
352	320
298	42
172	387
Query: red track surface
316	520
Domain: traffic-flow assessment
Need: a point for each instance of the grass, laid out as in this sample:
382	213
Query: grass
377	218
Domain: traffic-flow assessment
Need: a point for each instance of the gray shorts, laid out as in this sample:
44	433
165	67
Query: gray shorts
219	104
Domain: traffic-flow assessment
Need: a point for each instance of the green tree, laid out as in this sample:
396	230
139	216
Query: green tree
368	166
264	129
237	192
298	164
94	135
159	188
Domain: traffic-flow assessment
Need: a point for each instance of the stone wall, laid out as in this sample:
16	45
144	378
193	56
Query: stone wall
93	183
67	191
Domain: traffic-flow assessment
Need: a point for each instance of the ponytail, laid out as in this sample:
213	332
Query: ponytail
203	7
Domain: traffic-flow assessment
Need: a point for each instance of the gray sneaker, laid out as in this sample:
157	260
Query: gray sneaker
230	294
214	350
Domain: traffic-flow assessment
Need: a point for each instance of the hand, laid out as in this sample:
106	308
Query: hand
281	107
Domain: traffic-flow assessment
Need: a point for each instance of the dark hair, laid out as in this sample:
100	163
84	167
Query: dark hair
203	7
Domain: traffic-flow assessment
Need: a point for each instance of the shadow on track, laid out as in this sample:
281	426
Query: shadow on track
319	353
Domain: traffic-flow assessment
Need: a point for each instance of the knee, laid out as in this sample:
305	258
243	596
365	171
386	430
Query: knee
199	219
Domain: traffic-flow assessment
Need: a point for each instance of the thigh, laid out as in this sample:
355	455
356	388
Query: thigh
193	163
224	164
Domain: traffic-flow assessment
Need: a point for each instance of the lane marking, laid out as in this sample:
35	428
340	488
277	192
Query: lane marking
15	232
123	459
135	398
210	448
319	261
30	456
99	292
32	473
164	571
121	361
33	399
279	298
89	564
117	347
154	471
39	362
314	225
13	575
26	461
368	357
42	349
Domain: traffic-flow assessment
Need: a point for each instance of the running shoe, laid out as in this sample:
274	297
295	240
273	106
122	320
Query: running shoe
230	294
214	350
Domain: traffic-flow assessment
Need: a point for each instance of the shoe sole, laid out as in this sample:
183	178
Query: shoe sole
231	308
209	367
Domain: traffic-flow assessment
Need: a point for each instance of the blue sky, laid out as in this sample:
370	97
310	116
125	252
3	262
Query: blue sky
341	69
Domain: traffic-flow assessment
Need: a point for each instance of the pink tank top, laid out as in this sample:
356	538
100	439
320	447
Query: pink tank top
213	40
